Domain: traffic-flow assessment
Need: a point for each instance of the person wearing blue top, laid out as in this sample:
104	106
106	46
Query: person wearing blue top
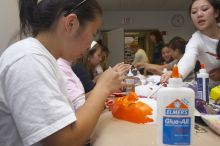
158	42
81	72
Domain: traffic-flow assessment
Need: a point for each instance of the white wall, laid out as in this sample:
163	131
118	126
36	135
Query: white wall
149	20
9	24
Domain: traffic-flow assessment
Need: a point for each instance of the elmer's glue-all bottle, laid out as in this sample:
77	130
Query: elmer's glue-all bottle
203	84
175	116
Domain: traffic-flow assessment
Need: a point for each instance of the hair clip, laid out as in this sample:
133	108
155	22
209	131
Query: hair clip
92	44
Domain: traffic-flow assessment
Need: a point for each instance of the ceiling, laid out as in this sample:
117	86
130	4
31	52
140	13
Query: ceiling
144	5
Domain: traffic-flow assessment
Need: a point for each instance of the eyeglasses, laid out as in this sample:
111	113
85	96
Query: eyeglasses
74	8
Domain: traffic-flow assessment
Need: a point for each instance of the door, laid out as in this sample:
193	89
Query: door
116	46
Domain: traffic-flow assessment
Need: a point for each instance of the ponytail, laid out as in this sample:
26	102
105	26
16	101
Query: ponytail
27	15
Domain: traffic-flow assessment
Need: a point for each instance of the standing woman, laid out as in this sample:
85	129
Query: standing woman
204	42
158	42
34	107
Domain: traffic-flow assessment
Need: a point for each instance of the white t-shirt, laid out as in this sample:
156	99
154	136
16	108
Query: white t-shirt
140	57
33	102
197	48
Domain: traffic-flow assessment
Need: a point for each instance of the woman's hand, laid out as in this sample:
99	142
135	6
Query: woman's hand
112	79
165	77
215	74
121	67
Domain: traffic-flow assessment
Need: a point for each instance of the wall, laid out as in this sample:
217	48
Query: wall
9	24
149	20
111	20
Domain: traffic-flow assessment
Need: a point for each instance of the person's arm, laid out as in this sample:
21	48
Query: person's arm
121	67
36	98
87	115
170	65
156	69
41	111
153	68
187	63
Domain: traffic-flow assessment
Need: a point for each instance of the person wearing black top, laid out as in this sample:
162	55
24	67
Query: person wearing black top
81	72
85	69
158	42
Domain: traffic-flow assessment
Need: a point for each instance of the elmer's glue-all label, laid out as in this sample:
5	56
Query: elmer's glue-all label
203	84
175	118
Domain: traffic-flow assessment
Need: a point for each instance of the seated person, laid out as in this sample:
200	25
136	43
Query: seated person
74	87
203	44
86	69
166	55
177	45
105	52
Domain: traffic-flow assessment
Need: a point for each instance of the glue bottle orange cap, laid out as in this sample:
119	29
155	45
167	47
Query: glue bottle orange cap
202	66
175	72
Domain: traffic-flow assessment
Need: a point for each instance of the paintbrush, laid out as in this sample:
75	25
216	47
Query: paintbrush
155	91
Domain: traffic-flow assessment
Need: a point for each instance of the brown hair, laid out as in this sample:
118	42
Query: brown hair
178	43
157	35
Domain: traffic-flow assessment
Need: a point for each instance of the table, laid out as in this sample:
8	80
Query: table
110	131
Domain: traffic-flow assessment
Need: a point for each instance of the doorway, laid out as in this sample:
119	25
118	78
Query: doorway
120	51
143	39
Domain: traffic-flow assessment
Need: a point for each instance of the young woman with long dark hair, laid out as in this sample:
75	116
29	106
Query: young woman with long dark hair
34	107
